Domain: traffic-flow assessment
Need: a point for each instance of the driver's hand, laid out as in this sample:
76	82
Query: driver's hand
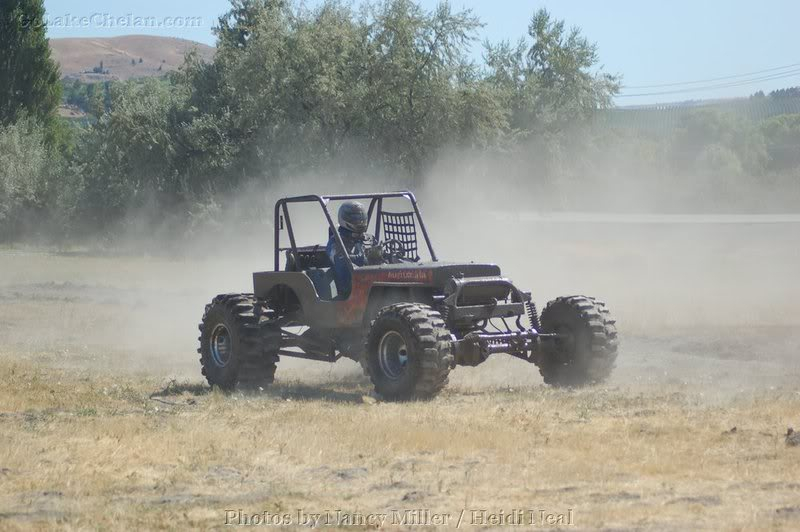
375	254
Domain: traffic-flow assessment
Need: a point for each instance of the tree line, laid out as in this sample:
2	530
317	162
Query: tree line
383	88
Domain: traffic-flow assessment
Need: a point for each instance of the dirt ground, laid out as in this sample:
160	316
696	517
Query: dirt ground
105	422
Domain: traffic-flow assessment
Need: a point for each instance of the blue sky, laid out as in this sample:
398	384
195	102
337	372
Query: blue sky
648	43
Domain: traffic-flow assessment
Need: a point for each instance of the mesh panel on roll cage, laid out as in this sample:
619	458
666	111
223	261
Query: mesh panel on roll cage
401	227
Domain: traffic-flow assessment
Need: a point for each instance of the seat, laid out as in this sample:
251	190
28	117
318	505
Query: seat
323	280
315	263
302	259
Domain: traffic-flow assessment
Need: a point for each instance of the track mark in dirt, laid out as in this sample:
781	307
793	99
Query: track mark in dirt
102	294
36	506
614	497
223	473
791	512
394	485
710	500
769	486
192	499
414	496
565	489
351	473
32	515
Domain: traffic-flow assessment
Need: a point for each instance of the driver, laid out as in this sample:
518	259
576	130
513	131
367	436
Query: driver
359	245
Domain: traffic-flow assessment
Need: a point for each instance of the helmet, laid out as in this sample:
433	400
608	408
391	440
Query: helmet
353	217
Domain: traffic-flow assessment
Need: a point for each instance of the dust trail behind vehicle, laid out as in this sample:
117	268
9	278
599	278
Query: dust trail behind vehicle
711	304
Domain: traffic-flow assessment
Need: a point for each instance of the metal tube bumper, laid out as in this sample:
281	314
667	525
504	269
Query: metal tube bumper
473	299
485	312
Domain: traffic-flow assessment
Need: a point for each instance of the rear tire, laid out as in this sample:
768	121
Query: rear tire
237	346
408	353
588	355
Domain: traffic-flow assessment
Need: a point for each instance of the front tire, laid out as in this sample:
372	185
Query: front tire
408	353
236	346
587	352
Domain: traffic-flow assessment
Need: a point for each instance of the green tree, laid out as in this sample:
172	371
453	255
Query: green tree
292	89
29	78
130	154
413	87
712	141
783	141
552	79
31	184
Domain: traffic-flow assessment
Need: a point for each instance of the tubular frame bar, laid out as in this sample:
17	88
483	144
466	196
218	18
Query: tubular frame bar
282	205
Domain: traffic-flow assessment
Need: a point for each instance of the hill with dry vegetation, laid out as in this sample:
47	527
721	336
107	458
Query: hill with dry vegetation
122	58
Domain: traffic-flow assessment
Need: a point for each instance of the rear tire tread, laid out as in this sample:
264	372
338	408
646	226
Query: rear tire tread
258	340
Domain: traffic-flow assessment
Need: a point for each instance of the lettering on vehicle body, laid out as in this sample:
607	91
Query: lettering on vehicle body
352	310
417	276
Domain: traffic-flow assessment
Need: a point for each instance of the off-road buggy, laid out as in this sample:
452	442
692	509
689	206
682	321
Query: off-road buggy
408	321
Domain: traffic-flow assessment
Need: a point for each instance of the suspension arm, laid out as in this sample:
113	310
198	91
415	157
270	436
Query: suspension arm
476	347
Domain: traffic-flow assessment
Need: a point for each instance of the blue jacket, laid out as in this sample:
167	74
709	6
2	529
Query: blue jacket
356	247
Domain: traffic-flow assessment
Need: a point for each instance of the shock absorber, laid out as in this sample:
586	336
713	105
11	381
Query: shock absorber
444	310
533	316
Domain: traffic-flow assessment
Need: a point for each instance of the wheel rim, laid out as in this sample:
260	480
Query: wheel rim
393	355
220	344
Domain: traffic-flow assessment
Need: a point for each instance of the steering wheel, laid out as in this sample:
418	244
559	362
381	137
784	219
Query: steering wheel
394	248
390	251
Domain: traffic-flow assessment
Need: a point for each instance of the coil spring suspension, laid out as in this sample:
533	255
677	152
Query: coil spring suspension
444	310
533	316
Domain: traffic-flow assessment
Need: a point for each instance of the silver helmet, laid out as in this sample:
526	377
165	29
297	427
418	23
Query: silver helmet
353	217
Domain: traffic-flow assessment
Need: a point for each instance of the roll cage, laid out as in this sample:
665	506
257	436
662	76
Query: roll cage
399	225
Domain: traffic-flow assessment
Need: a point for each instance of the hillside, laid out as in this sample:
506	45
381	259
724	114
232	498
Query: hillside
667	117
123	58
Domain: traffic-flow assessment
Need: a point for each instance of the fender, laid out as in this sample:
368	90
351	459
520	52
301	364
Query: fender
364	283
346	313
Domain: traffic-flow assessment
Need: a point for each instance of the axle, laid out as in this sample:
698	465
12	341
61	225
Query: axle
476	347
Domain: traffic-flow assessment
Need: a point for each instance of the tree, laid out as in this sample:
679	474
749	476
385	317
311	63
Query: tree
783	141
331	91
130	153
415	80
714	141
791	92
291	89
552	80
30	186
29	77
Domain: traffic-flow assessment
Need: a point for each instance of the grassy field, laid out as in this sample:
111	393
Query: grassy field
106	424
87	451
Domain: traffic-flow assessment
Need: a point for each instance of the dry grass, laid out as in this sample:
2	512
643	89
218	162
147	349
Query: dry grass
78	55
81	450
95	434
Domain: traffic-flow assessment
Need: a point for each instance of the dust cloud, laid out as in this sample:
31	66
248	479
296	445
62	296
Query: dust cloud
704	294
706	300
